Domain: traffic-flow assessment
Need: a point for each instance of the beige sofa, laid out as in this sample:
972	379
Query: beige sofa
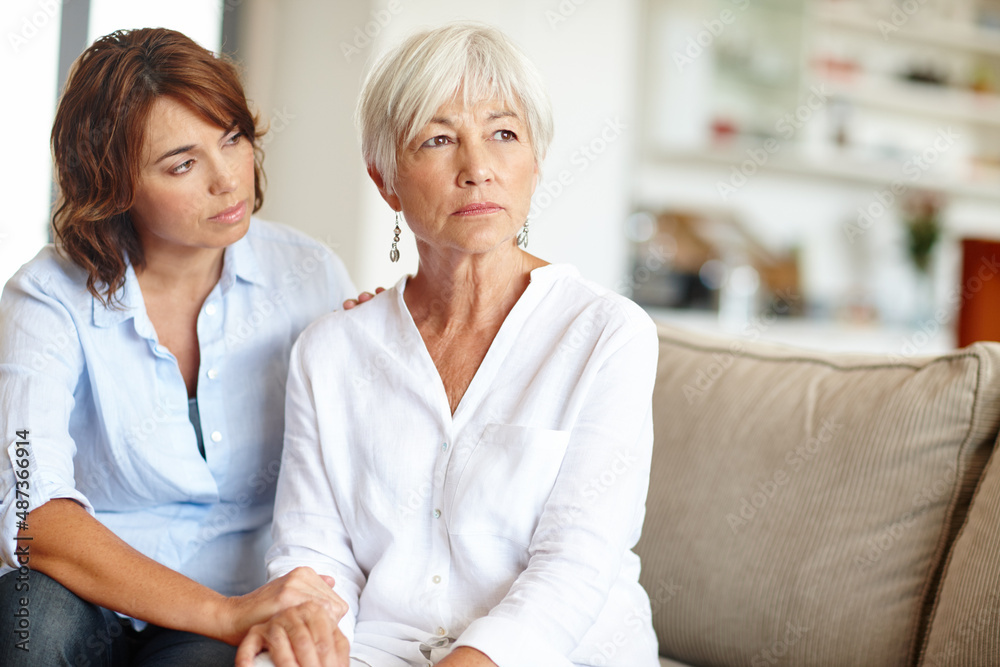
815	509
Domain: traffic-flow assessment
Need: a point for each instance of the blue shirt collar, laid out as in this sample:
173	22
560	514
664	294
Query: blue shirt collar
239	262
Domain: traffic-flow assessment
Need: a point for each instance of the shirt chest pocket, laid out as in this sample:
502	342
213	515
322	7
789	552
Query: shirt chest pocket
509	476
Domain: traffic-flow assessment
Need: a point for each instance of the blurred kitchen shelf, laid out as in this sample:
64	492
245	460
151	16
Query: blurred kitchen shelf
833	167
919	99
947	34
825	335
881	119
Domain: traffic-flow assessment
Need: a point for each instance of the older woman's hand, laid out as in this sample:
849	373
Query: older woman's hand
301	636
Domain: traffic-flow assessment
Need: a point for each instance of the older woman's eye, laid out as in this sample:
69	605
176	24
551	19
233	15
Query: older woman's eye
440	140
504	135
234	138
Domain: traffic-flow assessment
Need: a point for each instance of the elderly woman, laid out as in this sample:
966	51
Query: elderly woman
142	371
475	487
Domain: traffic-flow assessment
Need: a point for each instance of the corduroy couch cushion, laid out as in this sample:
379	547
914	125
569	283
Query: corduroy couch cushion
965	624
801	504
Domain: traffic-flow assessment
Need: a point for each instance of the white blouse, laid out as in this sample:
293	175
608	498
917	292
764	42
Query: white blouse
507	526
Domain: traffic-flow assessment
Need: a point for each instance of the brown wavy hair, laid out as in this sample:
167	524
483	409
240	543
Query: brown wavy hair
99	132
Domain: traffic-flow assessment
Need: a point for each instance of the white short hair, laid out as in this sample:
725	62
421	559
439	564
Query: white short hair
406	87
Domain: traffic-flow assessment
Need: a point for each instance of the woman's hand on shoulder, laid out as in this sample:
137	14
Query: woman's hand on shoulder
300	636
364	296
301	587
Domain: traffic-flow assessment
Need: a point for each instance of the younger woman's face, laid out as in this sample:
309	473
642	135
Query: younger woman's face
196	186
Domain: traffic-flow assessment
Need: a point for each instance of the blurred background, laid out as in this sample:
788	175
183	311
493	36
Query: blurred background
820	172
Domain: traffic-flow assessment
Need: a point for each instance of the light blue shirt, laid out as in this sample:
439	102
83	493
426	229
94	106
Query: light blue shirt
106	409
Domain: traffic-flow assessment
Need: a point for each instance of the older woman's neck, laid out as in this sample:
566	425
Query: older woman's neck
468	290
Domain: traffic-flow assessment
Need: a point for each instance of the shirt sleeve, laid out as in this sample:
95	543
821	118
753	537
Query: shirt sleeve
307	528
41	361
593	515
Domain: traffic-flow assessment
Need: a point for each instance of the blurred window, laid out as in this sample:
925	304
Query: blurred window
41	39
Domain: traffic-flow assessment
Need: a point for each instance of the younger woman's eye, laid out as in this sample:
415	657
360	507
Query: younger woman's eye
183	167
505	135
440	140
234	138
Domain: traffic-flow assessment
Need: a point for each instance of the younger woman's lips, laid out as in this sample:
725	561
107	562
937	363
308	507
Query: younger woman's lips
232	214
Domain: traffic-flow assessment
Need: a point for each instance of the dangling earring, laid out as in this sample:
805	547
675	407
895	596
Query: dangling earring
394	253
522	236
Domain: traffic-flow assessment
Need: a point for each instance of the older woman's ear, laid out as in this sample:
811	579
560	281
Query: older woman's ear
389	197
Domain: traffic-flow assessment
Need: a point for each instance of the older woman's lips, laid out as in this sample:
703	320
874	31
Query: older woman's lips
231	214
482	208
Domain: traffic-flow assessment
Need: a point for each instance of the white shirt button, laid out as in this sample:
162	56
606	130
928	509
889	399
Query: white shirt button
210	309
437	514
216	436
444	446
436	579
212	373
442	632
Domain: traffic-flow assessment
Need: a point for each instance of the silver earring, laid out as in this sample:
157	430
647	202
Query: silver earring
522	236
394	253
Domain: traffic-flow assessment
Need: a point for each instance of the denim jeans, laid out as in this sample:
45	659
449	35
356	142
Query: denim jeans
58	628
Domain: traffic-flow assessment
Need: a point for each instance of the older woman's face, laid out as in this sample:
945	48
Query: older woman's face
466	180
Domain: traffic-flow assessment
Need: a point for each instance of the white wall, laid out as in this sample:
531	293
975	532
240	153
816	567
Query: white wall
587	51
297	77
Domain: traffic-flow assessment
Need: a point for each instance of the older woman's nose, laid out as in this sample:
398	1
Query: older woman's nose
475	167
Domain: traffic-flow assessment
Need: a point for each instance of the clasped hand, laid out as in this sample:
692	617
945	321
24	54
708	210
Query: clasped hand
295	619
